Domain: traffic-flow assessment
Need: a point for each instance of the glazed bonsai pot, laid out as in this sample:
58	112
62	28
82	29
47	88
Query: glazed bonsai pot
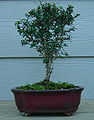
47	101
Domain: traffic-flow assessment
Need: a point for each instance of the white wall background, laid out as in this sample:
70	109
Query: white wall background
15	72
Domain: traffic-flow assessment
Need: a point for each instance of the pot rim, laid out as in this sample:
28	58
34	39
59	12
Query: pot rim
78	88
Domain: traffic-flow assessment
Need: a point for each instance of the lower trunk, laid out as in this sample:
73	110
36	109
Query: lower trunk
48	70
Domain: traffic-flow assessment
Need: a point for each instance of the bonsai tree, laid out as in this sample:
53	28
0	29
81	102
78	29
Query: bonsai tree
47	28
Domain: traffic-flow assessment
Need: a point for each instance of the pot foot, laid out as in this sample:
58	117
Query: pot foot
25	114
68	114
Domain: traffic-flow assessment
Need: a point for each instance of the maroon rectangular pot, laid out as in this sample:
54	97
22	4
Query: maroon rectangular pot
48	101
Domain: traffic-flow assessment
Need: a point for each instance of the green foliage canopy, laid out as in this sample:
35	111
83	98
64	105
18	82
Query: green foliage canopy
47	28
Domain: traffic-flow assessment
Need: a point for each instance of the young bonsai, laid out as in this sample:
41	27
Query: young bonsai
47	29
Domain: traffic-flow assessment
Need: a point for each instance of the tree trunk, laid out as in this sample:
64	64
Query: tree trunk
48	70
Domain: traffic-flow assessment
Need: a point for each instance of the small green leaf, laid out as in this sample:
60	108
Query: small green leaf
65	44
33	45
45	61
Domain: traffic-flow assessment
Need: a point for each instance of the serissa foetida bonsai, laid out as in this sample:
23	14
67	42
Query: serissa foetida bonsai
47	29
